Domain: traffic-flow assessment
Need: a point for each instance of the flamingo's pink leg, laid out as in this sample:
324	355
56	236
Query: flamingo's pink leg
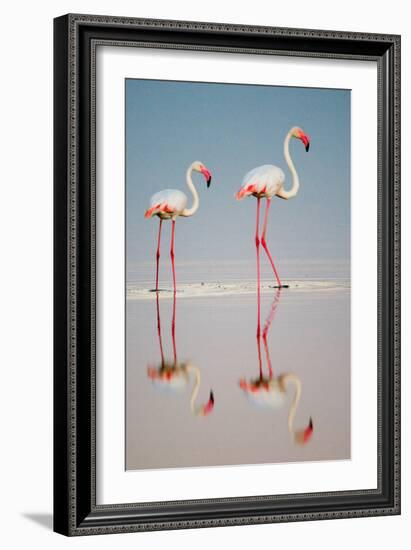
264	243
159	330
173	227
173	329
260	361
266	328
267	356
158	251
257	246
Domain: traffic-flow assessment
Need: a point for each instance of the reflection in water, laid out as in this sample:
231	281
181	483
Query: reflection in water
271	391
174	376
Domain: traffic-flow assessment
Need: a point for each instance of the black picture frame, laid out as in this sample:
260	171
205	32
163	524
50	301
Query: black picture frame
75	40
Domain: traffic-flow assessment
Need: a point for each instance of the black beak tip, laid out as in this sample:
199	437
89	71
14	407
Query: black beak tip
311	424
208	182
212	396
307	147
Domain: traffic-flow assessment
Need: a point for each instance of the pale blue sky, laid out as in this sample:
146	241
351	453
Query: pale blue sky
231	129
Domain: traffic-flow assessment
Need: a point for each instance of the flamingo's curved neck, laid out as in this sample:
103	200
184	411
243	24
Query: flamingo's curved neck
196	199
295	181
297	396
196	387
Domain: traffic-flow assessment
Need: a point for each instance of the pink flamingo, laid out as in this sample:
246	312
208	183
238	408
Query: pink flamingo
174	376
271	391
171	203
266	182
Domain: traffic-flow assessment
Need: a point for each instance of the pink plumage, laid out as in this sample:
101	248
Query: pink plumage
263	181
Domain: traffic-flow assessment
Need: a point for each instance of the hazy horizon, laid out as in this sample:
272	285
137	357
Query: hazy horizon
142	272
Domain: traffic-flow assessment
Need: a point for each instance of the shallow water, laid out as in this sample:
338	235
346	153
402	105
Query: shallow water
231	288
308	334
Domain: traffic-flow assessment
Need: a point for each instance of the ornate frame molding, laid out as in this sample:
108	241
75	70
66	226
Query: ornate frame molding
76	40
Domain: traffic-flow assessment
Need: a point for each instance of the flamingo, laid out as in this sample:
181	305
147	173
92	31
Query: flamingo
174	376
271	391
171	203
266	182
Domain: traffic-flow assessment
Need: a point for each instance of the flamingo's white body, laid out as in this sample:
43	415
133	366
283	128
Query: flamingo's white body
169	204
271	393
267	181
266	394
176	378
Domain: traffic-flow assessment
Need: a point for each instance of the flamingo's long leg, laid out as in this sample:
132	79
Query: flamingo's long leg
173	227
267	357
264	243
257	246
173	330
260	360
159	330
266	328
158	252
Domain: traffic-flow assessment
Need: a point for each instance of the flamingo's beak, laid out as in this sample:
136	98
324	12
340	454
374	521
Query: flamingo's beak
303	436
207	174
306	141
308	432
209	406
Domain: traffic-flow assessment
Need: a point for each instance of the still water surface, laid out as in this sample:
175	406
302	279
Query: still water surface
203	390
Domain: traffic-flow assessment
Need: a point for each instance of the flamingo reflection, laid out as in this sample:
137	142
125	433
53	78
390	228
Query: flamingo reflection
175	376
269	391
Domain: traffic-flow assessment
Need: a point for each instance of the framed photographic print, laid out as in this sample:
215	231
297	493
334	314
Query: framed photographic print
227	274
